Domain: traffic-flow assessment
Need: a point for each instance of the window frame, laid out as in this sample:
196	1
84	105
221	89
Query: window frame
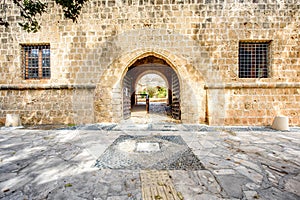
256	65
36	61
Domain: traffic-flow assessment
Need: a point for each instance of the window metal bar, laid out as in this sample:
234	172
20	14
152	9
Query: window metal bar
253	59
36	61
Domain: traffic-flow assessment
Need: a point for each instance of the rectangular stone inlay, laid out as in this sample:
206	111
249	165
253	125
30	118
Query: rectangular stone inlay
158	185
147	146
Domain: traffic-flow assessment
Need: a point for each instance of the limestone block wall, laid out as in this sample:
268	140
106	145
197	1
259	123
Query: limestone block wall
46	104
248	105
199	39
82	102
38	106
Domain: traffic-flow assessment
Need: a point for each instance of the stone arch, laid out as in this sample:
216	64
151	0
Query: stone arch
162	69
109	91
152	72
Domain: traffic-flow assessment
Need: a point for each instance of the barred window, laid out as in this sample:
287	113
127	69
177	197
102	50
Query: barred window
253	59
36	61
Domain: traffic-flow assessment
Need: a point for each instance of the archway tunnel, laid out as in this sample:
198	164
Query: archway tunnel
151	66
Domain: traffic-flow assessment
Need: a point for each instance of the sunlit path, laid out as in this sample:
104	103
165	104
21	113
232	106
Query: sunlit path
157	114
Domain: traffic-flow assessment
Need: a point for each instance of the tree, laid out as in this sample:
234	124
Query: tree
31	10
151	91
161	92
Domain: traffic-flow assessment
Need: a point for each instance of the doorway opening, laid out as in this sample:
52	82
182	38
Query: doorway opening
151	92
151	97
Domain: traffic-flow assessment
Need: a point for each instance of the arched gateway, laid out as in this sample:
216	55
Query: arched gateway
154	65
117	84
230	72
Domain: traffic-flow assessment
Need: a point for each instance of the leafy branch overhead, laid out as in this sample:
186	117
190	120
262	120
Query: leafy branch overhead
31	10
71	8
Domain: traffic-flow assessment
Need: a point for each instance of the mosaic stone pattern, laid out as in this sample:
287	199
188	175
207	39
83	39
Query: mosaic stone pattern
174	154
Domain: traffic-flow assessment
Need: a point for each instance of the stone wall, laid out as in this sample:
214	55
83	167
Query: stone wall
46	104
198	38
248	104
258	105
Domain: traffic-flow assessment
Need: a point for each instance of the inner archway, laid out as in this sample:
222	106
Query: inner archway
151	97
151	79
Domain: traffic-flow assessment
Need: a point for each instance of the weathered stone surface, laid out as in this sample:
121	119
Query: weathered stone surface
292	186
15	196
199	40
59	164
224	171
251	174
158	185
232	185
251	195
276	194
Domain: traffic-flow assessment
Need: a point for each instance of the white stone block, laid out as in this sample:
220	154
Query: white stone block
147	146
281	123
12	120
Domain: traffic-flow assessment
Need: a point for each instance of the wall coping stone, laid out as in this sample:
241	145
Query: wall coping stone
252	85
45	86
92	86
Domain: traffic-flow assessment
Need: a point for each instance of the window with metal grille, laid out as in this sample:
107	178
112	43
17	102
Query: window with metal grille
36	61
253	59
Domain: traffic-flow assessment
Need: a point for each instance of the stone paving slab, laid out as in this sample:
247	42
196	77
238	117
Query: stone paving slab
60	164
158	185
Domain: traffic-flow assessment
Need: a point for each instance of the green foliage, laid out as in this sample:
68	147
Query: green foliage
144	94
30	10
161	92
151	91
71	8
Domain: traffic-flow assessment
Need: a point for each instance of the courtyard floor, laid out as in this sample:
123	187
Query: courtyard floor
158	160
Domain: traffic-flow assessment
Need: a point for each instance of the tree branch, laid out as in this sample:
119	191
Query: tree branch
30	9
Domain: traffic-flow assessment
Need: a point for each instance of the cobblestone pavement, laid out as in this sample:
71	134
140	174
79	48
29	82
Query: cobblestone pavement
237	163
